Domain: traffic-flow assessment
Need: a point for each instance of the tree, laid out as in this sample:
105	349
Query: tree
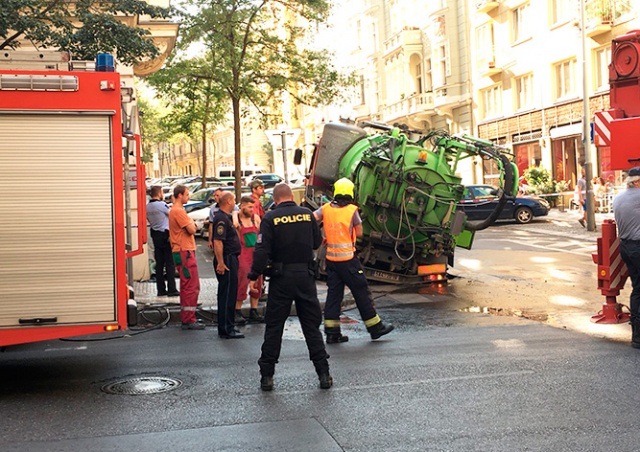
255	54
194	99
152	129
83	27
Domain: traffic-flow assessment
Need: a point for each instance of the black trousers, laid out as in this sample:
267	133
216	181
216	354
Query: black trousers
630	253
298	286
351	274
164	262
227	293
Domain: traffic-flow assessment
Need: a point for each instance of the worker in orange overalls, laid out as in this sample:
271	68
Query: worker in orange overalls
342	225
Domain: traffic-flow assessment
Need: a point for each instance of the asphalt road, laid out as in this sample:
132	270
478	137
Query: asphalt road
474	382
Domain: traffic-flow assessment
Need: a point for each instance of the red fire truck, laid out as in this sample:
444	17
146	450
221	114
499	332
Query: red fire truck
64	135
619	128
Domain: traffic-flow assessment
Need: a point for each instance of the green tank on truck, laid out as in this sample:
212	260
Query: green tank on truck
407	192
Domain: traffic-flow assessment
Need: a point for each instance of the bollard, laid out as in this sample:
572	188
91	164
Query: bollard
612	274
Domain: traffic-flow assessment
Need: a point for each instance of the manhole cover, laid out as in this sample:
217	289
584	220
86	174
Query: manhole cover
142	385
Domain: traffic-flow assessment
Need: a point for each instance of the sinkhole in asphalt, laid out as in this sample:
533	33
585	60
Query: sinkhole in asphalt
141	385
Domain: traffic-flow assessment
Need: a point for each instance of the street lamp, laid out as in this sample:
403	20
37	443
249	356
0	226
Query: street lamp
586	140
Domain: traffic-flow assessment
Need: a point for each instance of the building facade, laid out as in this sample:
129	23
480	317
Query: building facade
509	71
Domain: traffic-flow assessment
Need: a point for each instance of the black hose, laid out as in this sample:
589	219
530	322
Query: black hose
506	191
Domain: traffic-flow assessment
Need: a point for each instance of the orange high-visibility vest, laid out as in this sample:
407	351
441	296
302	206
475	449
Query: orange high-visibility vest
340	241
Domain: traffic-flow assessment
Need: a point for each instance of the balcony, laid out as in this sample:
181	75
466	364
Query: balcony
418	106
409	37
487	65
486	6
601	15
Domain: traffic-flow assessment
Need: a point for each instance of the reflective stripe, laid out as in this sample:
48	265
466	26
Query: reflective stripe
372	321
340	245
331	323
188	308
346	254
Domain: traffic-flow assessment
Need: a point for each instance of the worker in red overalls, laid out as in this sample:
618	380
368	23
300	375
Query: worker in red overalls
247	224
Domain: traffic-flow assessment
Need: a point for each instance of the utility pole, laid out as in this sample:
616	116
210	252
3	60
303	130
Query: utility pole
284	156
586	136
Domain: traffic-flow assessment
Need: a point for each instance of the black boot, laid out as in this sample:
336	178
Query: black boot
325	380
254	317
266	382
239	318
635	335
379	329
334	336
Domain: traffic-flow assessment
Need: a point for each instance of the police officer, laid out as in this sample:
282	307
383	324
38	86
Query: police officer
288	236
342	224
226	249
158	218
626	209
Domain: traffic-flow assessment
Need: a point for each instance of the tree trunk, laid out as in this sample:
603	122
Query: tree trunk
235	103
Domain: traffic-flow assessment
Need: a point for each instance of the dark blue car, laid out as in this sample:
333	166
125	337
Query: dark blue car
480	200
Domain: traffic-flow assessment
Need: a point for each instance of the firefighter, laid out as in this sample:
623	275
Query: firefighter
342	225
288	235
626	209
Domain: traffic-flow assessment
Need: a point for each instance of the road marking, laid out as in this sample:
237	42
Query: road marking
586	252
509	343
80	347
414	382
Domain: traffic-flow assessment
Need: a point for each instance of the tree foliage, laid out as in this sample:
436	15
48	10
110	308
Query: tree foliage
83	27
256	53
194	99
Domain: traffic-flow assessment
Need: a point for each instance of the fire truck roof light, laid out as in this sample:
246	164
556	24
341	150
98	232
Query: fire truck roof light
38	82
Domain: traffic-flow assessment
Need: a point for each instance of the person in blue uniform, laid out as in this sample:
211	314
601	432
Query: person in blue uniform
226	249
626	209
288	236
158	218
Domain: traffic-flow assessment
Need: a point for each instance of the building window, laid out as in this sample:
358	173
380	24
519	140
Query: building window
565	79
601	58
491	101
418	70
568	154
521	23
527	155
428	80
485	46
362	98
524	92
562	11
443	67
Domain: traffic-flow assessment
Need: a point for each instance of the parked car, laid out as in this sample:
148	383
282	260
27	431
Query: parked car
480	200
269	179
200	199
201	219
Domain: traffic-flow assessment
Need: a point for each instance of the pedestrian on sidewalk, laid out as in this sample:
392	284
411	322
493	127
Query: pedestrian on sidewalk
226	249
580	196
342	225
288	236
247	224
158	218
626	209
182	231
257	190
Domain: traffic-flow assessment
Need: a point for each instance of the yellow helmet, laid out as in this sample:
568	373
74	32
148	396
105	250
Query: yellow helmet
343	187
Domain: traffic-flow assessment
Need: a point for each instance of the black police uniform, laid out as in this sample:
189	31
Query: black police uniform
228	282
288	235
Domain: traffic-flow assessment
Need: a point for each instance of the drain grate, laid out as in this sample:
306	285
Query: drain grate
142	385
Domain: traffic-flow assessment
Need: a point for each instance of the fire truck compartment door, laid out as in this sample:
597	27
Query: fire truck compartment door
57	220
